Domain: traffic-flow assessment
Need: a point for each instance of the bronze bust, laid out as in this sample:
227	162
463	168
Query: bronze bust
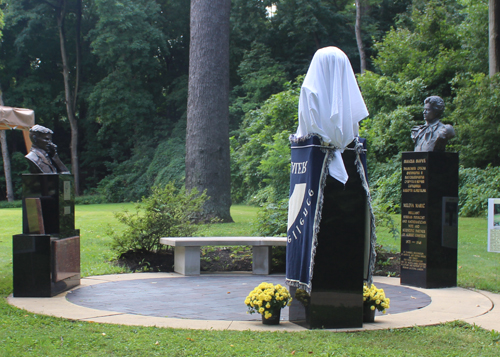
433	135
43	157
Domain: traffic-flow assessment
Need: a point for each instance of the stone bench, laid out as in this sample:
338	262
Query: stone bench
187	251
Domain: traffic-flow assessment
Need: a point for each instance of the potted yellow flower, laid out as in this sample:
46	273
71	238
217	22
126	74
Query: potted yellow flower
373	299
268	300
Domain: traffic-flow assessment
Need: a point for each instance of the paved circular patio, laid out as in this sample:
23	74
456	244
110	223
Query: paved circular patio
209	297
216	301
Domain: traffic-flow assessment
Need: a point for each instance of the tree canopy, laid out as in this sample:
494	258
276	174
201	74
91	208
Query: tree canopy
132	102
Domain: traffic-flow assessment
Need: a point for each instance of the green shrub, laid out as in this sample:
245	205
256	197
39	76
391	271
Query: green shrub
168	212
272	219
13	204
148	167
475	187
90	199
385	185
477	120
260	154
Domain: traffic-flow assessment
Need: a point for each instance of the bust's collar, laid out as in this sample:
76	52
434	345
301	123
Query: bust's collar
36	148
433	124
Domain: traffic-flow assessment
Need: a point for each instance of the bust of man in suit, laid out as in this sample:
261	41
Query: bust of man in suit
43	157
433	135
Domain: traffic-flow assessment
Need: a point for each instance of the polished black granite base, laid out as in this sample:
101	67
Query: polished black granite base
336	299
429	220
45	266
46	257
55	194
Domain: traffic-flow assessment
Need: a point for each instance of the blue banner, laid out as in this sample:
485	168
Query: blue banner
309	168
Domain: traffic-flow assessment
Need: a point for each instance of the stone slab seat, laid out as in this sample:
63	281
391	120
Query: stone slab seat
187	251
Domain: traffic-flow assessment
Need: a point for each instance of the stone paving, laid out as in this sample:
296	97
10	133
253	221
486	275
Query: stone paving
214	297
216	301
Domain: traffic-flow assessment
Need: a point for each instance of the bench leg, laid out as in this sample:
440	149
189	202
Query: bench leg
187	260
261	260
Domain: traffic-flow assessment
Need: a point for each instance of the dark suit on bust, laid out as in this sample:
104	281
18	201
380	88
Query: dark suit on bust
40	162
426	137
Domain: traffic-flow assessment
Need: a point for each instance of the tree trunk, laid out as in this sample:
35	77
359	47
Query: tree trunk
68	97
207	135
359	41
494	39
6	160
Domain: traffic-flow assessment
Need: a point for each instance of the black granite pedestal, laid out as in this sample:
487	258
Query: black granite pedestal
46	257
45	266
336	299
429	219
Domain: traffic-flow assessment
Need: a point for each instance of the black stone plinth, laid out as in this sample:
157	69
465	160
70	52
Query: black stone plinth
336	299
44	265
429	219
55	193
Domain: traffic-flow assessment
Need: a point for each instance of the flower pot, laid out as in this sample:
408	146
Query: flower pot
368	314
273	320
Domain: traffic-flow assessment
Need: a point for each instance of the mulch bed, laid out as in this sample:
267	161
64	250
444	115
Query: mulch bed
234	259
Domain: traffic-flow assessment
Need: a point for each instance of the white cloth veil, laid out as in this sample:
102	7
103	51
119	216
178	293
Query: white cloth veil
331	104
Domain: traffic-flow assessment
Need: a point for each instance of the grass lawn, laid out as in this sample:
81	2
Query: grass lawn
477	268
26	334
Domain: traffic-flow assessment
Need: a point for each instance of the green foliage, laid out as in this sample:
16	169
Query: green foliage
476	186
477	115
261	152
385	185
437	48
13	204
168	212
127	39
90	199
18	166
272	219
428	47
418	58
261	77
1	19
132	178
473	34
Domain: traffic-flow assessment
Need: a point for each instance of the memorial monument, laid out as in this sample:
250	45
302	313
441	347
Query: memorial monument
433	135
46	256
330	245
429	204
43	157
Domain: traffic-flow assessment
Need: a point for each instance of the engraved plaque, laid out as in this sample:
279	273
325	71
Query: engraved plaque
67	190
34	216
429	219
450	222
414	214
494	225
66	258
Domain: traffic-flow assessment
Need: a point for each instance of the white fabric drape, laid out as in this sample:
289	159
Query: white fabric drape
331	104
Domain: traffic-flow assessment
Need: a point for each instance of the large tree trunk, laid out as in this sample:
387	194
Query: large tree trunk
6	166
70	98
359	41
494	41
207	136
6	160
